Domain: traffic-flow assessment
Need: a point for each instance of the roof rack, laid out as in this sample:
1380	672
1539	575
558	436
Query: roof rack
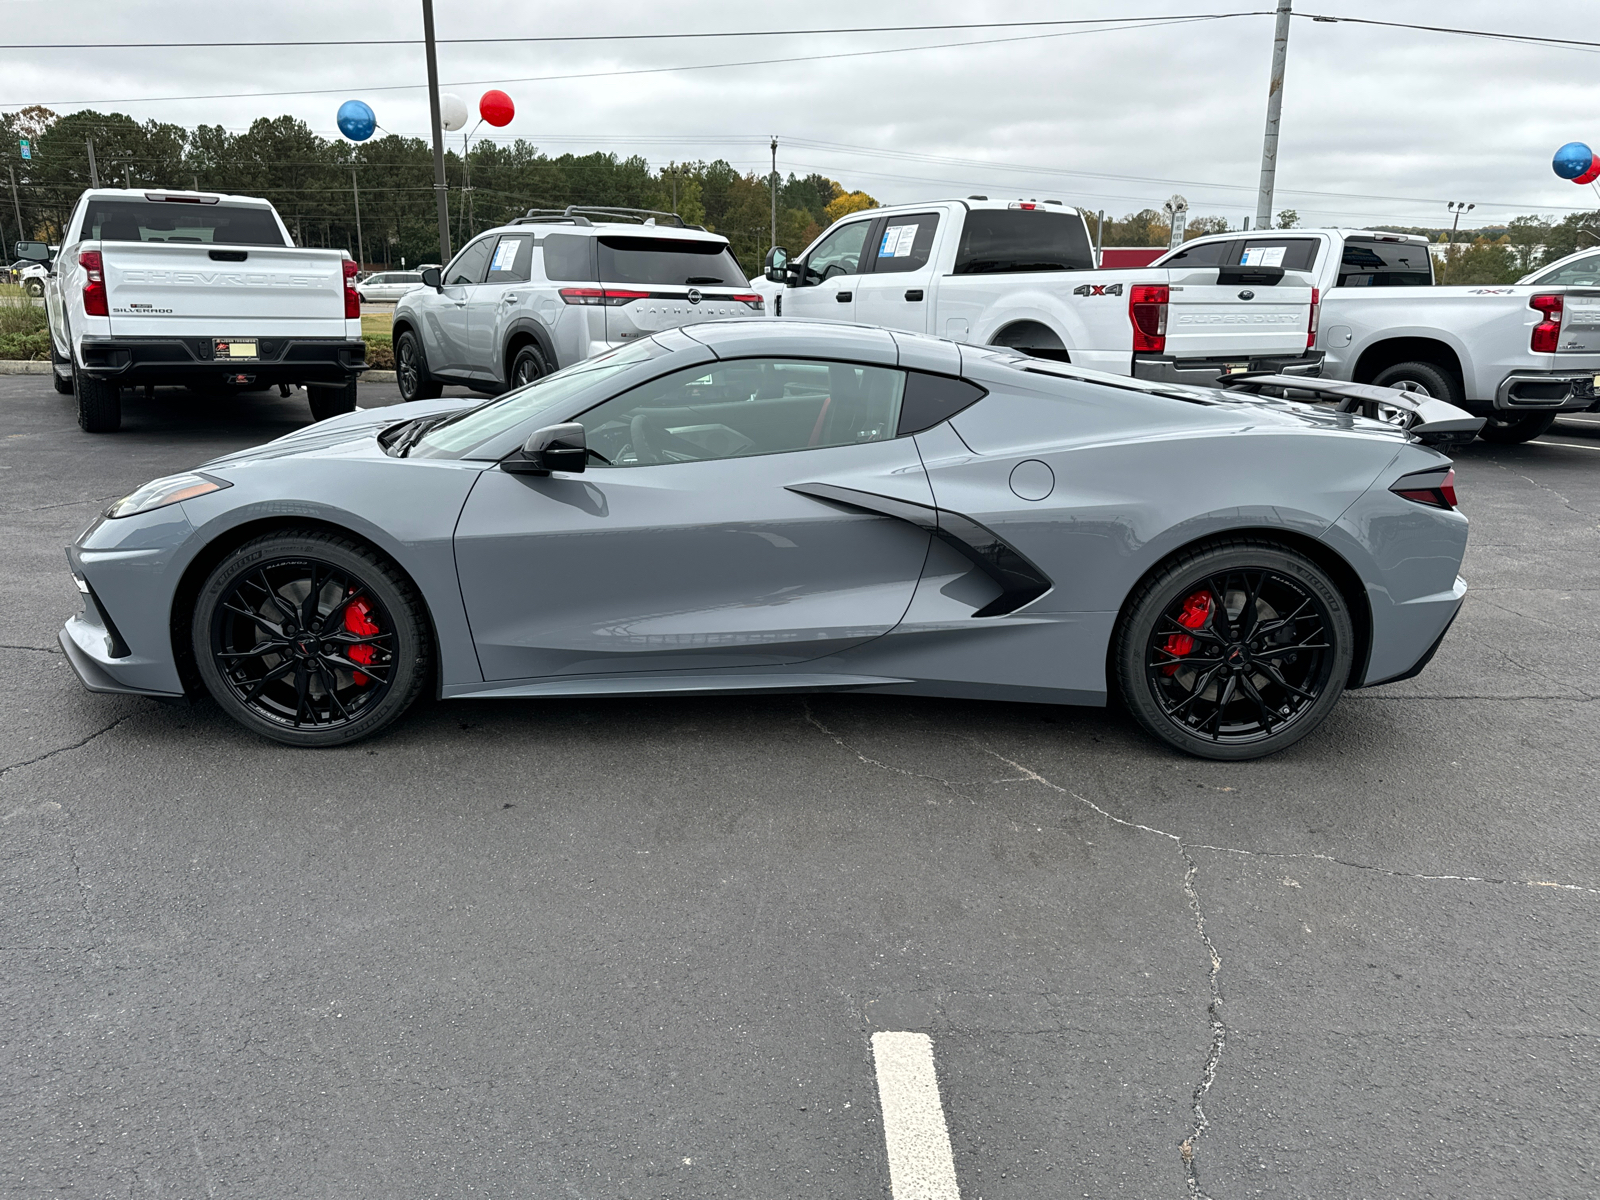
579	214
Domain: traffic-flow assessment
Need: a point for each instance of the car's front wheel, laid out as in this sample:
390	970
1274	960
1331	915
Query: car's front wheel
1509	430
310	638
1234	651
411	370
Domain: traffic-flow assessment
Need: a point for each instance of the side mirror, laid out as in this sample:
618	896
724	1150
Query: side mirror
553	448
37	252
432	278
777	269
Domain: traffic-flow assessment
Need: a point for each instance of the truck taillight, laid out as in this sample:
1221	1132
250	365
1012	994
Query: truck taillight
1147	309
1547	333
1316	318
352	298
94	288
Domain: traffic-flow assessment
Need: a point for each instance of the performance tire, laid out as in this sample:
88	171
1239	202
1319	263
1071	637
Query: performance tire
277	612
411	370
1233	683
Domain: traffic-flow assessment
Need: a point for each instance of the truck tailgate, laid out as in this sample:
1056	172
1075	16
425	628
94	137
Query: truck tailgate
1215	321
163	289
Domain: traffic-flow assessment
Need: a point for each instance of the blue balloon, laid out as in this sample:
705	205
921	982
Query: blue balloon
357	120
1572	160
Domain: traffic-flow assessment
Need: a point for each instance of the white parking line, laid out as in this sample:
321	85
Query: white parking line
921	1166
1565	445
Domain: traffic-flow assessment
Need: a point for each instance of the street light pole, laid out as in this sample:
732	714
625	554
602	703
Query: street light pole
1269	143
440	188
774	190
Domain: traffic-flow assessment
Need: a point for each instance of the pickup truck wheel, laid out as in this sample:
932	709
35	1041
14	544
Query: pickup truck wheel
529	365
330	400
1421	377
34	288
58	365
1234	651
1508	431
99	403
411	370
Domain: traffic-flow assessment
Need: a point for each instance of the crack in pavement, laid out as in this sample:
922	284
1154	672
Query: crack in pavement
28	762
1542	487
39	649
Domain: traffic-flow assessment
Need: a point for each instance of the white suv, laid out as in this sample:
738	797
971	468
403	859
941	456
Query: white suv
555	287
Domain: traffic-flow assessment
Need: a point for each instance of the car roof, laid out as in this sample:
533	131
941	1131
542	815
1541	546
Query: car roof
972	203
157	195
602	228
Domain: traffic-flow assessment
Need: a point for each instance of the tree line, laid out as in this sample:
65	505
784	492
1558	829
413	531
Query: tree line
309	179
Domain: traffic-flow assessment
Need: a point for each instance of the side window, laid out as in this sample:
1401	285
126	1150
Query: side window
1292	254
512	257
568	257
1208	254
906	243
839	253
746	407
1385	264
467	267
1580	271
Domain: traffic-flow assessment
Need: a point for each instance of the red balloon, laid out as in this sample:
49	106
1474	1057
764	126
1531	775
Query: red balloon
1591	174
496	108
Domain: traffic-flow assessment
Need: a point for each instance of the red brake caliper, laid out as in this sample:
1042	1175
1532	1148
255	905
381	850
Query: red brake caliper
1196	610
358	620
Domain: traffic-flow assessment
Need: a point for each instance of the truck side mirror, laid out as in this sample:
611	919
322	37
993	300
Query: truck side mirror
777	270
432	278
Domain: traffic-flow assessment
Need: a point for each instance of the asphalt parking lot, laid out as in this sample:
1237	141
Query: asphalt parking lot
638	948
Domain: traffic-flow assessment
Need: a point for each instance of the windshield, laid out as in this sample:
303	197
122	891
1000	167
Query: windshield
658	260
453	438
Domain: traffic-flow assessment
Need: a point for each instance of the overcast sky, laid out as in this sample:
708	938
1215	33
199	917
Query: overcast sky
1379	126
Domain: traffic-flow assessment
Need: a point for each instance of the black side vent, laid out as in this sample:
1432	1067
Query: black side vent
229	255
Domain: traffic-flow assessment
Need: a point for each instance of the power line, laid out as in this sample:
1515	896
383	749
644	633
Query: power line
1145	23
1529	38
620	37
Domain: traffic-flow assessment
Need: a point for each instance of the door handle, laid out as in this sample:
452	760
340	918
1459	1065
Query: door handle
844	297
509	298
913	293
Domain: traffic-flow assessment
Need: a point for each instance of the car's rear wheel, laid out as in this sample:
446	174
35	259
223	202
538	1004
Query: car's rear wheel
411	370
1424	378
99	403
529	364
1508	431
1234	651
330	400
310	639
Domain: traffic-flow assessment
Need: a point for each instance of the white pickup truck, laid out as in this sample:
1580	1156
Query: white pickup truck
1022	274
1516	355
201	290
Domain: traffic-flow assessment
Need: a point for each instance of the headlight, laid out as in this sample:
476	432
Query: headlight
170	489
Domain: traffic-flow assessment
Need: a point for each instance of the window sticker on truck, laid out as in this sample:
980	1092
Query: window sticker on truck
1263	256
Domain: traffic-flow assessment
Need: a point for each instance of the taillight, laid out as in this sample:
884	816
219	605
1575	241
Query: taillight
1316	318
1436	488
1548	331
751	299
352	298
610	297
1147	309
94	290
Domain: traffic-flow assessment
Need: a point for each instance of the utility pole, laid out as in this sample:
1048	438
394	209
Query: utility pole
774	190
94	175
127	176
21	235
440	188
674	170
1269	144
361	247
1458	207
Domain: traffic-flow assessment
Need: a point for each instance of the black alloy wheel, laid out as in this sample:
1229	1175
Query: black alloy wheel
1509	430
1235	651
411	370
310	639
529	365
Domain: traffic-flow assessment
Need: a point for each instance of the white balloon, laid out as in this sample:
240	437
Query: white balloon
452	112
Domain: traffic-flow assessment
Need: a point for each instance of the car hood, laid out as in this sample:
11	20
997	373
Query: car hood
358	426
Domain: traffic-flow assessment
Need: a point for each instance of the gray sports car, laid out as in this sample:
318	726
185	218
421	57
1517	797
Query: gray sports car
789	506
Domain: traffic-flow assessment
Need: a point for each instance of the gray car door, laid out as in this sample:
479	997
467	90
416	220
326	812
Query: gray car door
447	315
691	551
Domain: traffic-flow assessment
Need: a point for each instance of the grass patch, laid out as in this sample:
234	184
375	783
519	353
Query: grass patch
377	326
24	327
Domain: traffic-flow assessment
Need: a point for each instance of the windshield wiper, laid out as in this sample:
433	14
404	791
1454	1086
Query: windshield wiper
413	433
704	279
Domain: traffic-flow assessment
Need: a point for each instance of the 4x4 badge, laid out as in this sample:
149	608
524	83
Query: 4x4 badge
1097	289
694	296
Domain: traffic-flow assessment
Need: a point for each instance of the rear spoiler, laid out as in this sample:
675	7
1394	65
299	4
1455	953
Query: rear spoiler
1431	422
